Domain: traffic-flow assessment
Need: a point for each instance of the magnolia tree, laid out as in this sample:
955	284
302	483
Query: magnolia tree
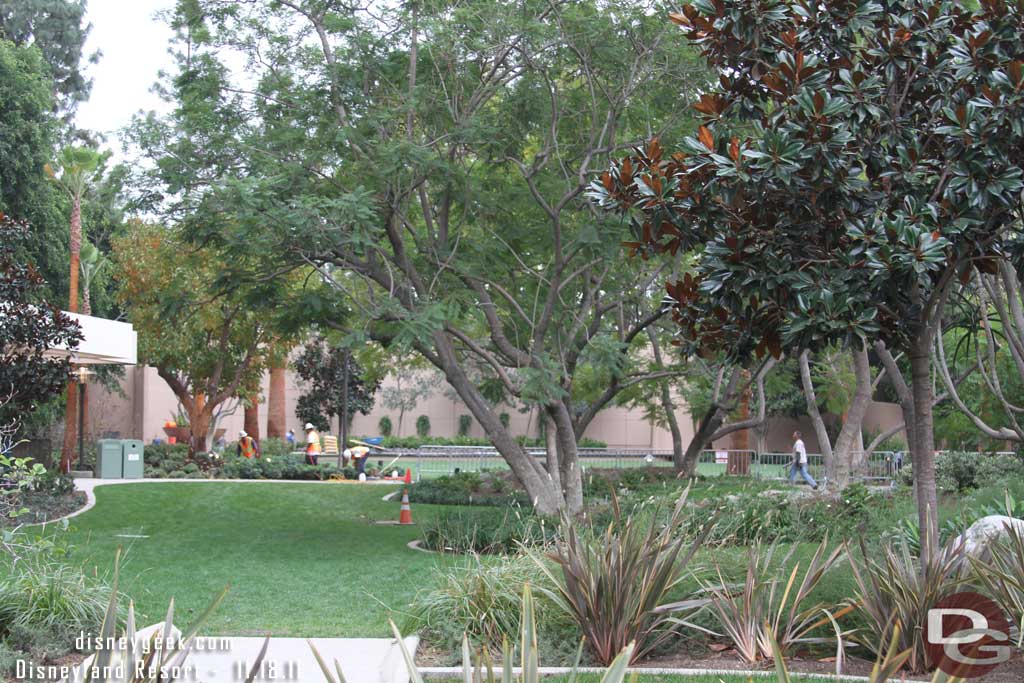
856	160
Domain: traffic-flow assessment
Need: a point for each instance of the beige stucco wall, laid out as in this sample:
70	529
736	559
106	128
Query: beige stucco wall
147	403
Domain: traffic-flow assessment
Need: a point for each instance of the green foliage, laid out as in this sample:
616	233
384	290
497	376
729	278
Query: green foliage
322	368
1001	575
465	488
504	419
422	426
485	530
481	599
30	327
290	467
465	423
615	584
896	588
417	441
384	426
959	472
771	600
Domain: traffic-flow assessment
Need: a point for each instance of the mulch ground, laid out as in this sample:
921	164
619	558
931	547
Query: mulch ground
45	507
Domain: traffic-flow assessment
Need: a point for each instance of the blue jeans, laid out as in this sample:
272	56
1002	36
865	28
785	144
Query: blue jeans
802	469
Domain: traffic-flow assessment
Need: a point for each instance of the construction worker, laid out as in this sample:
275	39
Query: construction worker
248	447
312	445
358	453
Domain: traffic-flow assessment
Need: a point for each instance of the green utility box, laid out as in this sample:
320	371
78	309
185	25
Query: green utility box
109	459
133	461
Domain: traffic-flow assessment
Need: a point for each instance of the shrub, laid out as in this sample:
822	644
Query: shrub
466	488
423	426
465	423
616	584
957	472
44	592
273	448
1002	576
159	453
896	588
480	669
481	599
384	426
504	419
53	482
485	530
417	441
764	603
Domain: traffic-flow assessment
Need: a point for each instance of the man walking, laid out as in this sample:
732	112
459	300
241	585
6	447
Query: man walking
312	445
248	447
800	462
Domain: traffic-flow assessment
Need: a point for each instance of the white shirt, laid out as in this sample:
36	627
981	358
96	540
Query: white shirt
799	448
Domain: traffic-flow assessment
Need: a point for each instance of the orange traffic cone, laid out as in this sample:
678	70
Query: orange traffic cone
408	475
405	515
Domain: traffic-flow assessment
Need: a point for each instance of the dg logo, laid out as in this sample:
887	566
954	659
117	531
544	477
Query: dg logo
967	635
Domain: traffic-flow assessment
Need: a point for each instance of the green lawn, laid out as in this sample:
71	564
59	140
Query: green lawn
302	559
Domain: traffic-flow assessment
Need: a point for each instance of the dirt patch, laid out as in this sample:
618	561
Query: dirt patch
45	507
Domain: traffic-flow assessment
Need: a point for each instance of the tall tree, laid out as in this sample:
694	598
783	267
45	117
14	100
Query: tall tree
58	30
77	168
207	345
857	159
437	181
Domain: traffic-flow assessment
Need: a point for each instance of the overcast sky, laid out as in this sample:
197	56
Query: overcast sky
134	49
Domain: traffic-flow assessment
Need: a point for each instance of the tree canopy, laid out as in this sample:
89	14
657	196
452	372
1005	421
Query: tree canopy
856	159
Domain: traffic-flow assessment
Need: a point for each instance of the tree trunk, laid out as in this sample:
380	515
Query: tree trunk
545	496
678	460
251	421
923	448
199	424
741	438
67	451
568	459
708	425
551	447
277	421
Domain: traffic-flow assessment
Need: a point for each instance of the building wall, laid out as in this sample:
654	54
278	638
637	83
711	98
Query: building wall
145	403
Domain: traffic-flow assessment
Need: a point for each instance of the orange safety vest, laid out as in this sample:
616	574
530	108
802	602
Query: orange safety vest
248	444
314	447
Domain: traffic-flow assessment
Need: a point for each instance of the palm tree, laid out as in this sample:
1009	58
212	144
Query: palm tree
76	168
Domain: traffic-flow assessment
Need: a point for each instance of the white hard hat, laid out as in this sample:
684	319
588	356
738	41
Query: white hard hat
242	433
309	425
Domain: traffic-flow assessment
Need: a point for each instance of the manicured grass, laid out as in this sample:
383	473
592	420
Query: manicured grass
302	559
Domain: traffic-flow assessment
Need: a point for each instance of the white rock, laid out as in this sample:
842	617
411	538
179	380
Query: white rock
987	529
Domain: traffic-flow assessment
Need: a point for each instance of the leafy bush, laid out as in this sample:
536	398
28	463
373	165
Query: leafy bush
765	604
957	472
893	588
290	467
273	448
616	584
485	530
384	426
465	488
53	482
465	423
481	599
418	441
423	426
158	454
504	419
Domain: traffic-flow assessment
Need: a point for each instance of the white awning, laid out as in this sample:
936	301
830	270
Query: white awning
104	342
